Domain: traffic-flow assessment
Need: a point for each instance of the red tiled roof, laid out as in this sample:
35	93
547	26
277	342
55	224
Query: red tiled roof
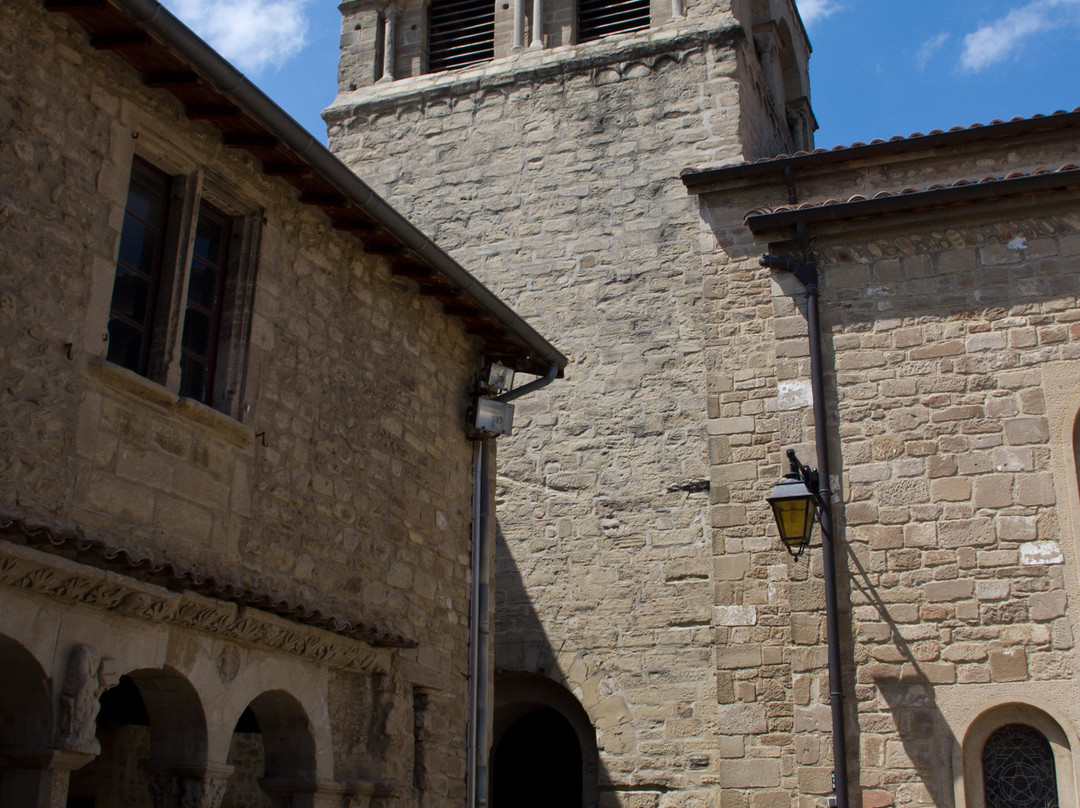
958	134
1012	175
913	136
96	553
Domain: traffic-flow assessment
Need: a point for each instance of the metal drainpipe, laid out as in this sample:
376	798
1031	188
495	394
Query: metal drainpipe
806	271
478	744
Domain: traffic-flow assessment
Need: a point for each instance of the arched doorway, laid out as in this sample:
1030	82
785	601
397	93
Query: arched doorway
272	754
537	763
544	746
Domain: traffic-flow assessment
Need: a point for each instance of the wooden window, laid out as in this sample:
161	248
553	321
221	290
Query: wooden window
598	18
180	309
205	303
139	268
460	33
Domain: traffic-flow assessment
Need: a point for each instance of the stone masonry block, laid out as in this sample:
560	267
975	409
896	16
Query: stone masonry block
749	773
1008	665
1021	431
1043	606
1035	489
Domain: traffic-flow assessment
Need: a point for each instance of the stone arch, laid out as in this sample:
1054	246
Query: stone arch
26	716
544	748
153	740
177	721
994	719
794	78
273	747
26	723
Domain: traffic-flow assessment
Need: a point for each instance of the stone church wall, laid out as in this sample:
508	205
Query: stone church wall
555	174
951	378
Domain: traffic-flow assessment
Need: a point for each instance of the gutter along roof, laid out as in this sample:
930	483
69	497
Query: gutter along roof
910	199
693	178
170	57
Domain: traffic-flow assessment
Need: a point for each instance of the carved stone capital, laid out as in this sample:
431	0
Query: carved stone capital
187	786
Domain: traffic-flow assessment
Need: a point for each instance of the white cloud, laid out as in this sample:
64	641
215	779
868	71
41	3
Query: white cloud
998	40
813	10
928	48
253	34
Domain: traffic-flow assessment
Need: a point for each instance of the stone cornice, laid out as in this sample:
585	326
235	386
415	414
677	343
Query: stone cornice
533	65
62	579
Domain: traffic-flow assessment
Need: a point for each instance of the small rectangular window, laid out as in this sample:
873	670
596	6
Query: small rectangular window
151	329
599	18
460	33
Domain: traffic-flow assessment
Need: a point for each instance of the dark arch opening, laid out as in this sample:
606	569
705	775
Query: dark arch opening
25	705
537	763
151	719
25	720
543	747
272	752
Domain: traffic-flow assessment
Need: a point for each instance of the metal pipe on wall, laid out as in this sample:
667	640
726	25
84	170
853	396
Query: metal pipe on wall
807	273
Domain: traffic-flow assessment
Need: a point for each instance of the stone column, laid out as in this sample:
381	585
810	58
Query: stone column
518	40
38	778
187	786
537	24
391	14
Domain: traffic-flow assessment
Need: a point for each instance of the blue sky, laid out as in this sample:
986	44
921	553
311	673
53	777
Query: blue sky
879	67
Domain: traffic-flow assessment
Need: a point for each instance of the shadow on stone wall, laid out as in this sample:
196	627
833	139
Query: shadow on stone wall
535	673
906	696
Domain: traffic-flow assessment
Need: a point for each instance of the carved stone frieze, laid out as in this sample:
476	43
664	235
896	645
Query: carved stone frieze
45	574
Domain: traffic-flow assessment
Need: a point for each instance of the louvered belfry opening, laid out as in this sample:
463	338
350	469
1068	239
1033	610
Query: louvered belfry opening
598	18
460	33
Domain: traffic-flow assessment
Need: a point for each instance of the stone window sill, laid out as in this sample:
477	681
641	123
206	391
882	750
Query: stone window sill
140	388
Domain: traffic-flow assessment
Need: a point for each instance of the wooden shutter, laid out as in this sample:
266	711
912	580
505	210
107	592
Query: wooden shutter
460	33
598	18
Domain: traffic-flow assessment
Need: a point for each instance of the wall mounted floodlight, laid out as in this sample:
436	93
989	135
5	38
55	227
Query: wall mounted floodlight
497	378
493	417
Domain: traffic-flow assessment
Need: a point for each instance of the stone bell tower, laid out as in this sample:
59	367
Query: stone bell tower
540	143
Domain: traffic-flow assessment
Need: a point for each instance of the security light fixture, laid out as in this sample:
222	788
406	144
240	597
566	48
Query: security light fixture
497	378
493	418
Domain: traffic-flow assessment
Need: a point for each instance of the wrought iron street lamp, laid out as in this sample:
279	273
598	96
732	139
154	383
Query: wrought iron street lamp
794	504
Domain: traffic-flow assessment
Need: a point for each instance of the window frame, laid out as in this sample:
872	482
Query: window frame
971	791
193	194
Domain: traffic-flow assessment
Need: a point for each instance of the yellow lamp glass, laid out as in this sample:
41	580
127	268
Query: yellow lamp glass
794	508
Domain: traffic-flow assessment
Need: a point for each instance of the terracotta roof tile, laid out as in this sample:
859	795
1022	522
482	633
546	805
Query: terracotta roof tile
1012	175
912	136
96	553
693	177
